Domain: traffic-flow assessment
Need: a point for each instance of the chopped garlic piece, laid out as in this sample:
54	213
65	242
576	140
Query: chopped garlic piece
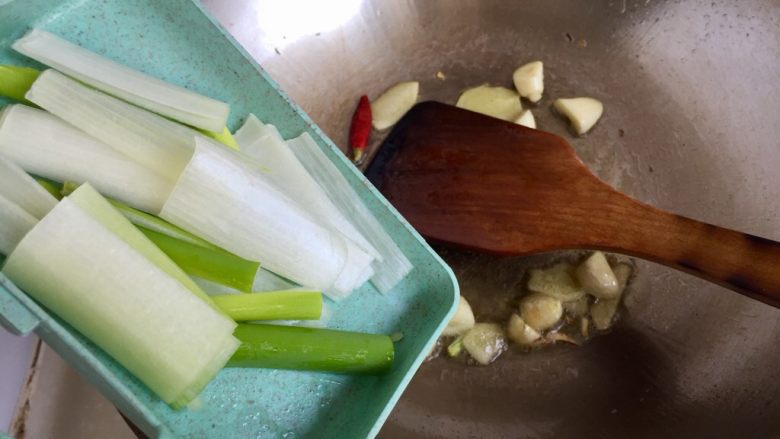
622	274
583	113
485	342
390	107
521	333
596	277
603	313
462	321
556	281
540	311
498	102
529	81
526	119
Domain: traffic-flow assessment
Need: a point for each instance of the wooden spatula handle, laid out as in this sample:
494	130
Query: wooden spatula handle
744	263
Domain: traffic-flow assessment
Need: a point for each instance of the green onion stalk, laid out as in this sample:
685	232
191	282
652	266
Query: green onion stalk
273	305
324	350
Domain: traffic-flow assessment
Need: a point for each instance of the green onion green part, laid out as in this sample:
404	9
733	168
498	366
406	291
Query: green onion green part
15	81
159	225
276	305
224	138
324	350
68	188
456	347
52	187
212	264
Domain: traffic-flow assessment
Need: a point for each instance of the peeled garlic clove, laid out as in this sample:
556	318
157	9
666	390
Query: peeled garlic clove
602	312
540	311
529	80
583	113
622	274
485	342
462	321
596	277
526	119
521	333
498	102
390	107
556	281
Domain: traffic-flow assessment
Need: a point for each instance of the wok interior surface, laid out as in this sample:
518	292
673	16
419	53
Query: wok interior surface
691	92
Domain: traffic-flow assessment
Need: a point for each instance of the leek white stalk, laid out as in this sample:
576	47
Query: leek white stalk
394	265
225	200
153	141
21	189
145	319
45	145
15	222
264	144
89	200
161	97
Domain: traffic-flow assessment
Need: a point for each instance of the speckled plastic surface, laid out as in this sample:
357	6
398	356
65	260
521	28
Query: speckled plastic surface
177	41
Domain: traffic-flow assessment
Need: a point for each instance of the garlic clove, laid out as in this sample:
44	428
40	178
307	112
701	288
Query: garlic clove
391	106
529	80
540	312
583	113
520	333
498	102
526	119
556	281
462	320
485	342
597	278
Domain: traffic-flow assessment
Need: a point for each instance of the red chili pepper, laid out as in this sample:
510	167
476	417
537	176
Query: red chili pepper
360	129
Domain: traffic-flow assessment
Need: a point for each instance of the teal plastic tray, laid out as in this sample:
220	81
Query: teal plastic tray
178	41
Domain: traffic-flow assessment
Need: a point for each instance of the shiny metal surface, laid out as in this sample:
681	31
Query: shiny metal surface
691	93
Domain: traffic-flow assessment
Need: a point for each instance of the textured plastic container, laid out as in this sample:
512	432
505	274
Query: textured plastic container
178	41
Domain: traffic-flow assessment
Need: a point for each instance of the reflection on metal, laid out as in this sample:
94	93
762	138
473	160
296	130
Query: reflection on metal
282	22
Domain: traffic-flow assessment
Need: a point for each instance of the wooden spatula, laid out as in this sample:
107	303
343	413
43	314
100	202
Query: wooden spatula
480	183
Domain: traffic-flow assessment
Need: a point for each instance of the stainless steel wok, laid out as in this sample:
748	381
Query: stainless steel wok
692	121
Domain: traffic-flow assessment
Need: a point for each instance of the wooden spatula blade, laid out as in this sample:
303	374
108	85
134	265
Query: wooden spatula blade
473	181
480	183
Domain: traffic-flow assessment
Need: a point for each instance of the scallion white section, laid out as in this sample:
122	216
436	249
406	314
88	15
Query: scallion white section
44	145
15	222
21	189
146	320
394	265
153	141
227	201
264	144
128	84
89	200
